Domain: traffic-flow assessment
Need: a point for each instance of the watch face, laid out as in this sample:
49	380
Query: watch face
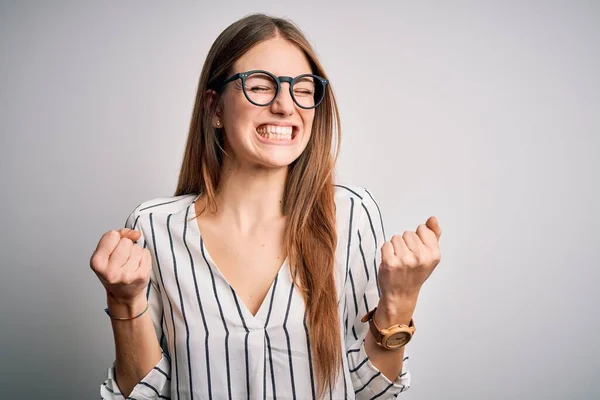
397	339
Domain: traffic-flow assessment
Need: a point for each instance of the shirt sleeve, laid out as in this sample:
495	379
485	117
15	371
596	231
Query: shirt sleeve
362	295
157	383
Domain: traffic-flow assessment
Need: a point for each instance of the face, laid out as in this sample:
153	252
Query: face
272	136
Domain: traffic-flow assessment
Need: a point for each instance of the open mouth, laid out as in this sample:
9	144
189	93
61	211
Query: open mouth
277	133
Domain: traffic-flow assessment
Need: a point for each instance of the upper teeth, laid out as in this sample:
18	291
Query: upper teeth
280	130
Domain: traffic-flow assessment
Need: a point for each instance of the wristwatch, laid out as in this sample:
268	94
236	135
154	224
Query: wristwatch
392	338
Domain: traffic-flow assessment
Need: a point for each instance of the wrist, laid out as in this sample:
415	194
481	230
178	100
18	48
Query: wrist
125	308
392	311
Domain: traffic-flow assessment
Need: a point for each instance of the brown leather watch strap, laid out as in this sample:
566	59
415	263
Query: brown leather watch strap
373	326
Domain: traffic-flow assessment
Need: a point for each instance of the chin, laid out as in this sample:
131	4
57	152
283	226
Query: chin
278	163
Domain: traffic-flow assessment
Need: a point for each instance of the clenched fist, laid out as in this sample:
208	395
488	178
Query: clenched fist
408	260
122	266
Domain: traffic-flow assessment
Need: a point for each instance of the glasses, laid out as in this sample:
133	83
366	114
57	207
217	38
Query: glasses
261	88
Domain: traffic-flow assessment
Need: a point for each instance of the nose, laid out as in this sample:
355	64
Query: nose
283	104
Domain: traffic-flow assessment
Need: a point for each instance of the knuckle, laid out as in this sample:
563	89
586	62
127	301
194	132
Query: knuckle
128	279
112	234
136	251
126	240
95	261
387	260
409	260
112	278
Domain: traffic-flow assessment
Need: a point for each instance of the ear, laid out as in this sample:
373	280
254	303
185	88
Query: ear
211	96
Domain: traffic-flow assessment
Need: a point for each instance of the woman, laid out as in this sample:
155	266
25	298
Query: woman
257	278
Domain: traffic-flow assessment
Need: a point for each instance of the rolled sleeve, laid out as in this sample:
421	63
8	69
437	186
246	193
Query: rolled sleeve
155	385
370	383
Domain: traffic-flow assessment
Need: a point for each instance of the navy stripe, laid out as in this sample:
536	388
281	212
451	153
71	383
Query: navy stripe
135	223
367	309
264	387
360	365
269	340
362	253
207	334
376	248
287	337
214	285
379	212
160	396
382	392
348	244
160	204
350	190
163	372
185	322
162	282
310	366
368	382
237	304
353	294
346	319
110	390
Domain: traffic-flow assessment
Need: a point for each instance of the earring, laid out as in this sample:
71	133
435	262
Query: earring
218	123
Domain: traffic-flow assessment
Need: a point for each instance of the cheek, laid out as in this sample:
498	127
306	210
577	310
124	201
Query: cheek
308	121
240	116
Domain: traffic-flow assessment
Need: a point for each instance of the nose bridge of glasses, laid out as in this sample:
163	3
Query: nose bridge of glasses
290	81
287	79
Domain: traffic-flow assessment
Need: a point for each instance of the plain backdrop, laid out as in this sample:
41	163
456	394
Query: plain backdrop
485	114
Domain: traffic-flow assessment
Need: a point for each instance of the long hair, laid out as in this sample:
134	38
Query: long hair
310	233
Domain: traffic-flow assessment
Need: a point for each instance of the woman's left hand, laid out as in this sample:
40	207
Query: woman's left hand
406	263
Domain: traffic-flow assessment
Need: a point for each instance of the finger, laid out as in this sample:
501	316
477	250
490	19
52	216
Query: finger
131	234
124	272
129	271
145	265
400	246
413	242
427	236
120	254
432	223
106	245
387	253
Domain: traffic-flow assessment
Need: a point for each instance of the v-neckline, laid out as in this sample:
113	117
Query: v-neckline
262	313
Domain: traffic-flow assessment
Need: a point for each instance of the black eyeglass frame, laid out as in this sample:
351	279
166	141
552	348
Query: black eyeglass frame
279	80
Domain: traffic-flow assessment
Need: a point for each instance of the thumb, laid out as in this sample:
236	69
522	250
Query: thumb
130	234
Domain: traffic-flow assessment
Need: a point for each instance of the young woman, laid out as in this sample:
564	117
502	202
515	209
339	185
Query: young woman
261	278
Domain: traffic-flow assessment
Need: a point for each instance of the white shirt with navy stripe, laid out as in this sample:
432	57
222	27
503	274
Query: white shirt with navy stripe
214	348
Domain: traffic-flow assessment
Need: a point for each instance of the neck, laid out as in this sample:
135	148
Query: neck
249	196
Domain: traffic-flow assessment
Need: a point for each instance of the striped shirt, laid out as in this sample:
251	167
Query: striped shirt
214	348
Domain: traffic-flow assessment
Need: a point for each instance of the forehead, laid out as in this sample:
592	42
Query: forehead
277	56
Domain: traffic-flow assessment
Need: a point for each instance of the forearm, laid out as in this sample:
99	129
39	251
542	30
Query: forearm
389	362
137	348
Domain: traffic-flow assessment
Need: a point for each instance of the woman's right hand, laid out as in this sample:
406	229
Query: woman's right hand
122	266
